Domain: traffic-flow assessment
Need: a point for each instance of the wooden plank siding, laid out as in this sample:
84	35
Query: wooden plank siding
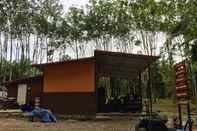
70	87
34	85
70	77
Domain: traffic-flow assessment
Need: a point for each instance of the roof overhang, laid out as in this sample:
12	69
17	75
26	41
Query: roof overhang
42	66
112	63
22	80
122	64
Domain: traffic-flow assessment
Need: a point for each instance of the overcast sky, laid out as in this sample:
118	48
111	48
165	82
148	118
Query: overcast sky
67	3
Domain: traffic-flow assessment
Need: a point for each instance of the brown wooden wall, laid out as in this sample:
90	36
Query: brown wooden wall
76	76
70	87
70	102
36	89
34	84
12	90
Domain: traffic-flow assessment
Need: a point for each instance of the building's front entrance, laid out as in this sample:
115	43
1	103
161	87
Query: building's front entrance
22	94
118	95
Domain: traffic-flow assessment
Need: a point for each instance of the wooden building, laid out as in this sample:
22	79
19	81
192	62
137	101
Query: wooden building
75	86
3	92
24	91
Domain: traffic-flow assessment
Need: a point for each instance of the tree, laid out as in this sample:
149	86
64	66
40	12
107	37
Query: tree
19	24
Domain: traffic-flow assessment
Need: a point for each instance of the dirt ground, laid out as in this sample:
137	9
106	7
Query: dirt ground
19	124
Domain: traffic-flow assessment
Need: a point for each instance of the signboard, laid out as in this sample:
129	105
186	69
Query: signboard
181	83
182	89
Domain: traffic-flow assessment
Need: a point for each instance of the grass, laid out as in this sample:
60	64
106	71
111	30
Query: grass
11	111
164	105
169	108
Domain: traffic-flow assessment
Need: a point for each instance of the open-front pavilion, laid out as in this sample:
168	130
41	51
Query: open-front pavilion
120	78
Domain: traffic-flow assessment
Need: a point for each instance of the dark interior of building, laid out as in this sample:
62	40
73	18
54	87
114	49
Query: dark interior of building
118	95
120	80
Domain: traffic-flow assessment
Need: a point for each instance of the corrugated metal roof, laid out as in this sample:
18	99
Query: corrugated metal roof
118	64
41	66
23	80
146	58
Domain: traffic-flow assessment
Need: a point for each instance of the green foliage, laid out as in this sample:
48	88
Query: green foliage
19	70
194	52
158	83
20	22
166	70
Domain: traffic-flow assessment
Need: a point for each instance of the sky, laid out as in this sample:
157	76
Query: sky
68	3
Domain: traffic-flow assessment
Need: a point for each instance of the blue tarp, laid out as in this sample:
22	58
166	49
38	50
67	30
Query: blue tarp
43	114
26	107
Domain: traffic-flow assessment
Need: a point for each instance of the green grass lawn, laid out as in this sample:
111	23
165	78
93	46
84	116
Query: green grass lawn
169	108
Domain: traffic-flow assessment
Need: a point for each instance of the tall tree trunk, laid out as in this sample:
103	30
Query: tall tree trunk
35	50
1	57
5	46
76	48
17	50
11	44
41	49
22	49
28	46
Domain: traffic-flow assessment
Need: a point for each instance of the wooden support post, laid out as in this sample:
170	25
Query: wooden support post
140	91
132	90
140	85
180	116
188	111
112	86
188	94
96	91
96	79
149	89
189	115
